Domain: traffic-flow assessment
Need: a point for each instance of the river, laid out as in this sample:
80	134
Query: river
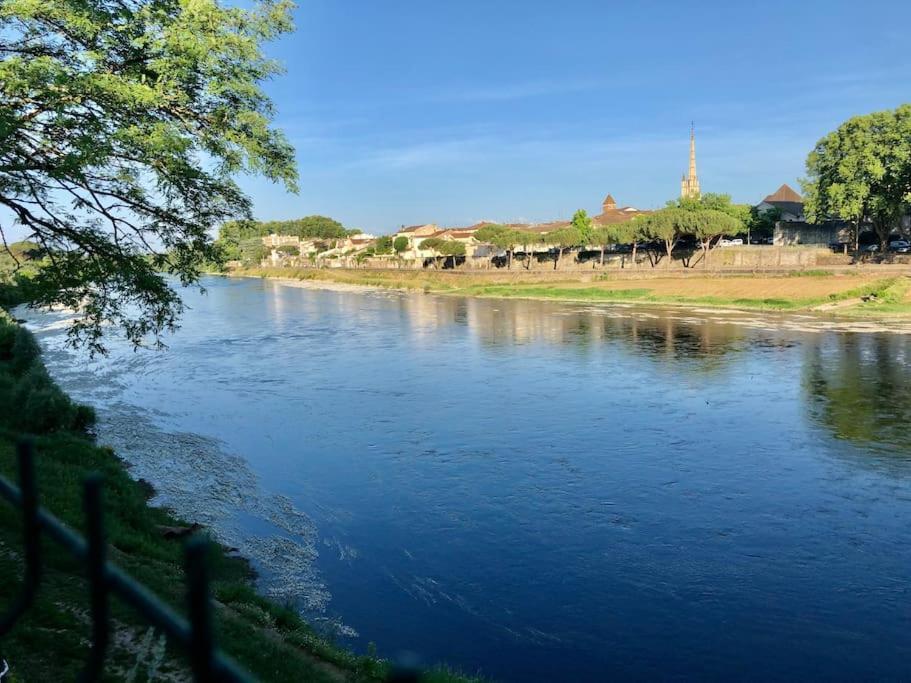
533	490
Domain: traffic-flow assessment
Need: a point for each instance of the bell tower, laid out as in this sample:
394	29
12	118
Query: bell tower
689	184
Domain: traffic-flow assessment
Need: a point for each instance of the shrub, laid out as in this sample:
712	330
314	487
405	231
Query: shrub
7	338
29	399
24	352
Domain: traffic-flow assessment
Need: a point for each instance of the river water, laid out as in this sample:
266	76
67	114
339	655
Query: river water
536	491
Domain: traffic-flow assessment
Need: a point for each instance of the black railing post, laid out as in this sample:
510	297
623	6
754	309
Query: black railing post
96	558
200	609
104	578
31	535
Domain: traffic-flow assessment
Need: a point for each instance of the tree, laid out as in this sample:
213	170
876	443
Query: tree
528	240
602	236
762	224
714	201
252	251
444	248
501	236
583	225
667	226
400	244
384	245
861	172
708	225
631	232
123	124
563	239
614	233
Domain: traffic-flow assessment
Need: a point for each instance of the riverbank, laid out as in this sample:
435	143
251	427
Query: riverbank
850	293
50	641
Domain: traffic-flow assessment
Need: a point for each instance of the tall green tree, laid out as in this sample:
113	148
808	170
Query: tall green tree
861	172
582	224
123	124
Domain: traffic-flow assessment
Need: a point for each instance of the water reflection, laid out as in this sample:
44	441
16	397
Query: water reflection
859	387
666	335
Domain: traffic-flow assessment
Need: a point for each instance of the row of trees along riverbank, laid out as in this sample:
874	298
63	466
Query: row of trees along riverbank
706	219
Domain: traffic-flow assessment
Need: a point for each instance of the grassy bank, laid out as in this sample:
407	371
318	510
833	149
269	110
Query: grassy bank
849	295
50	642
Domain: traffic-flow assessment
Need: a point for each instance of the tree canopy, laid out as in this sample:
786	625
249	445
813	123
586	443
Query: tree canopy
124	123
861	172
582	224
383	245
500	236
668	226
714	201
444	247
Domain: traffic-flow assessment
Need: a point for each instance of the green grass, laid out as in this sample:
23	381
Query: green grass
601	294
810	273
50	641
889	296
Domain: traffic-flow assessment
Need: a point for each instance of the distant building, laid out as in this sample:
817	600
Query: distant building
415	234
689	183
787	201
792	228
274	240
611	214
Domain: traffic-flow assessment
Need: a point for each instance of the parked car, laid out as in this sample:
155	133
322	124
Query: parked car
900	246
870	248
730	243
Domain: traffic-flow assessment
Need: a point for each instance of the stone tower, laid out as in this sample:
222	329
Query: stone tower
689	184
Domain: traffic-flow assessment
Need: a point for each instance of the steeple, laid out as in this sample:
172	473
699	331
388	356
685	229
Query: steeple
689	185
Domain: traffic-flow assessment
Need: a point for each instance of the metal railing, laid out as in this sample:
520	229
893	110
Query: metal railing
195	634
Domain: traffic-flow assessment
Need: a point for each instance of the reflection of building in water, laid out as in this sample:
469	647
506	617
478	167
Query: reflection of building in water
495	322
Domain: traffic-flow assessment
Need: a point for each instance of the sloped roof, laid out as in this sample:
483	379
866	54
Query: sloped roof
460	234
609	201
785	193
614	216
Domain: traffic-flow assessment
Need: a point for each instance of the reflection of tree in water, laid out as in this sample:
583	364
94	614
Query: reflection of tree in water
860	387
663	336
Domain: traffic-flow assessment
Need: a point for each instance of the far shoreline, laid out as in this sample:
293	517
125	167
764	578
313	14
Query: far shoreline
866	302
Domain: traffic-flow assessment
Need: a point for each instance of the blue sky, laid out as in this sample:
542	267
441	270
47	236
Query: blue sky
404	111
454	111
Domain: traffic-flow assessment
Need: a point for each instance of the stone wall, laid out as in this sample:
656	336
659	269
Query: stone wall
793	233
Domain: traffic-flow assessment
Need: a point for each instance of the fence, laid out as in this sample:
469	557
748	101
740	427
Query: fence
207	663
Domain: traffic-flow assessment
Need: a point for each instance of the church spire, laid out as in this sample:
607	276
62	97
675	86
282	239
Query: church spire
689	186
